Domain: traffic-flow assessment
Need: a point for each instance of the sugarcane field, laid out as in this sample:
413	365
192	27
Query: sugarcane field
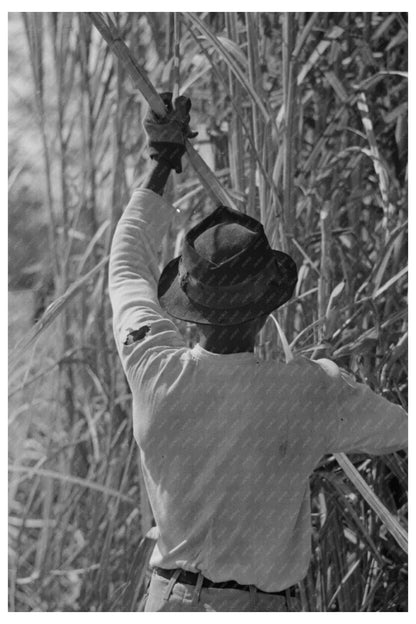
207	311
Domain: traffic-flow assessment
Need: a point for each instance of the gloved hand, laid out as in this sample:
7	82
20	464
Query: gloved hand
166	137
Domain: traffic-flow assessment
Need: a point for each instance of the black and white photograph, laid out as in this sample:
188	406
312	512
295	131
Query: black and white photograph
207	311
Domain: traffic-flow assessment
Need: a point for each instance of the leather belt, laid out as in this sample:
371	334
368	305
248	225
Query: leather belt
189	578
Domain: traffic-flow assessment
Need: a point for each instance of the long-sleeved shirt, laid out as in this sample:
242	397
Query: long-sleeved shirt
228	442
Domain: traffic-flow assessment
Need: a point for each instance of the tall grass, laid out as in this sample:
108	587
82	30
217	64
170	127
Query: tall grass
308	122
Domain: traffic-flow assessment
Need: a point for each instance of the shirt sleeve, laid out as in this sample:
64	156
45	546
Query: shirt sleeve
359	420
140	325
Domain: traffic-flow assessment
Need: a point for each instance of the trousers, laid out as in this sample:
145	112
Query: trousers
169	595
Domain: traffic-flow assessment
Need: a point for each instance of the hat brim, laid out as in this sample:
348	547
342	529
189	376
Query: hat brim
175	301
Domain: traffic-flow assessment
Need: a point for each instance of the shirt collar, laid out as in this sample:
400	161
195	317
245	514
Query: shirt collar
200	353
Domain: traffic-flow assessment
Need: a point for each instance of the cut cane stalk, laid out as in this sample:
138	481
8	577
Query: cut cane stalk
110	33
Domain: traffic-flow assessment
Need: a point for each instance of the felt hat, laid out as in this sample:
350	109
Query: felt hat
227	273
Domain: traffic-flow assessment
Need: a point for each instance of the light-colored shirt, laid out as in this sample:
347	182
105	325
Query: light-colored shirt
228	442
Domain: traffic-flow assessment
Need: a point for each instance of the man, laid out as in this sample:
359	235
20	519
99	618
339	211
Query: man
227	442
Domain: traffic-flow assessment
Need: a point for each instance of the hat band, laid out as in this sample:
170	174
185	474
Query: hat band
227	297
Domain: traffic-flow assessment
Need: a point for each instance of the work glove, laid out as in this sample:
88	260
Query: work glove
166	137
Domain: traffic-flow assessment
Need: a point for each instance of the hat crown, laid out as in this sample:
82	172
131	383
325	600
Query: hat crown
221	242
227	273
226	247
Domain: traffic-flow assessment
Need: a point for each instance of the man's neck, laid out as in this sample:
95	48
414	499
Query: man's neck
216	345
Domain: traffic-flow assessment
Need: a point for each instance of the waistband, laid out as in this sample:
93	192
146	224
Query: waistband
190	578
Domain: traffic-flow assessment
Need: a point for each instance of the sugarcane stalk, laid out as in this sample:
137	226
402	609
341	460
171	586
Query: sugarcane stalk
235	143
325	273
33	28
176	56
289	86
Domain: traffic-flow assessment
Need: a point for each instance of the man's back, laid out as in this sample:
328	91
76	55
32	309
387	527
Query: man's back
228	443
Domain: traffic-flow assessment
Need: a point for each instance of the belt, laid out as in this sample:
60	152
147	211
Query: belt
189	578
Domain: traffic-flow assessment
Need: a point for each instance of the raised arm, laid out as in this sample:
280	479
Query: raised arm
157	177
138	320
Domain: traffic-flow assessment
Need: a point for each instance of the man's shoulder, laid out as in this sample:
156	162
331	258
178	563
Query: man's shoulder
328	372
